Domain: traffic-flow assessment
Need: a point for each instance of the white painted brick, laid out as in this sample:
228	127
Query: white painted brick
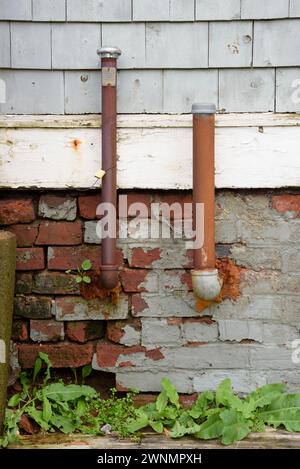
182	88
5	45
288	89
82	92
237	330
276	43
268	9
179	304
294	8
131	39
217	10
268	357
176	45
150	10
158	332
33	92
90	233
257	258
247	90
30	45
291	379
149	380
243	381
99	10
75	308
49	10
172	280
75	45
195	331
140	91
230	44
15	9
181	10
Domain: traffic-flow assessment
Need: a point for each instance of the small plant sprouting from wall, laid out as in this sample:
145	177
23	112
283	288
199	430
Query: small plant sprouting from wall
82	272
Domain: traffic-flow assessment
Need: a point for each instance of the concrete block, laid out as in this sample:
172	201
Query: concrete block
276	43
33	92
48	10
247	90
99	10
217	10
5	45
82	92
30	45
15	10
131	39
288	89
268	9
160	332
230	44
140	91
75	46
168	45
182	88
243	381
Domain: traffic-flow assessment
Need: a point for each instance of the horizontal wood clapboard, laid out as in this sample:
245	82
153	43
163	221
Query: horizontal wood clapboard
154	151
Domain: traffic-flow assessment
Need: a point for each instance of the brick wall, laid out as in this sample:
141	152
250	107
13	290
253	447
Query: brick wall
155	329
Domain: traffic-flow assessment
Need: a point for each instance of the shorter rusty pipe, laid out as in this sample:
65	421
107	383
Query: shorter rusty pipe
205	279
109	269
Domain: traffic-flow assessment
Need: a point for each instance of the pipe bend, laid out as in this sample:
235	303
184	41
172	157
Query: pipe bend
109	277
206	284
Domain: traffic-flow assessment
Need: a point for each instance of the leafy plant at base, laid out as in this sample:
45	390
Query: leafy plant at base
81	272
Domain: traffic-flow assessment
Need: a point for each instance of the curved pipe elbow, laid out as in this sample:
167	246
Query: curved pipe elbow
109	277
206	284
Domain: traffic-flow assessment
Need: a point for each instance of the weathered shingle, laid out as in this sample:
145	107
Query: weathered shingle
182	10
276	43
33	92
48	10
230	44
247	90
15	9
140	91
268	9
82	92
99	10
131	40
5	45
151	10
294	8
217	10
30	45
74	46
288	89
182	88
176	45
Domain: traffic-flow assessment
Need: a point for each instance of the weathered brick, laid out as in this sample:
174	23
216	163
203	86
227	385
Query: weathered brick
64	258
23	283
20	331
134	197
169	255
30	259
88	205
25	234
286	202
125	332
175	280
137	280
83	331
257	258
16	210
46	330
198	330
62	355
57	207
77	308
178	304
271	357
150	380
144	257
55	283
159	332
268	282
108	355
59	233
91	233
35	307
243	381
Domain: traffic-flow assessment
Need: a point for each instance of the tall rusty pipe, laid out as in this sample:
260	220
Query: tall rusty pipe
109	55
205	278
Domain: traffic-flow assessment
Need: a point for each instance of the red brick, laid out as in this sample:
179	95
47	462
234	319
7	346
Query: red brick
108	353
16	210
138	304
63	258
286	202
88	205
20	330
59	233
33	307
25	234
55	283
175	198
23	282
132	279
46	330
116	329
144	257
62	354
134	198
83	331
30	259
58	207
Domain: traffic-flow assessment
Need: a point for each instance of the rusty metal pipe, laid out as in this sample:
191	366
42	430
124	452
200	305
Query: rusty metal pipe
109	55
205	279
